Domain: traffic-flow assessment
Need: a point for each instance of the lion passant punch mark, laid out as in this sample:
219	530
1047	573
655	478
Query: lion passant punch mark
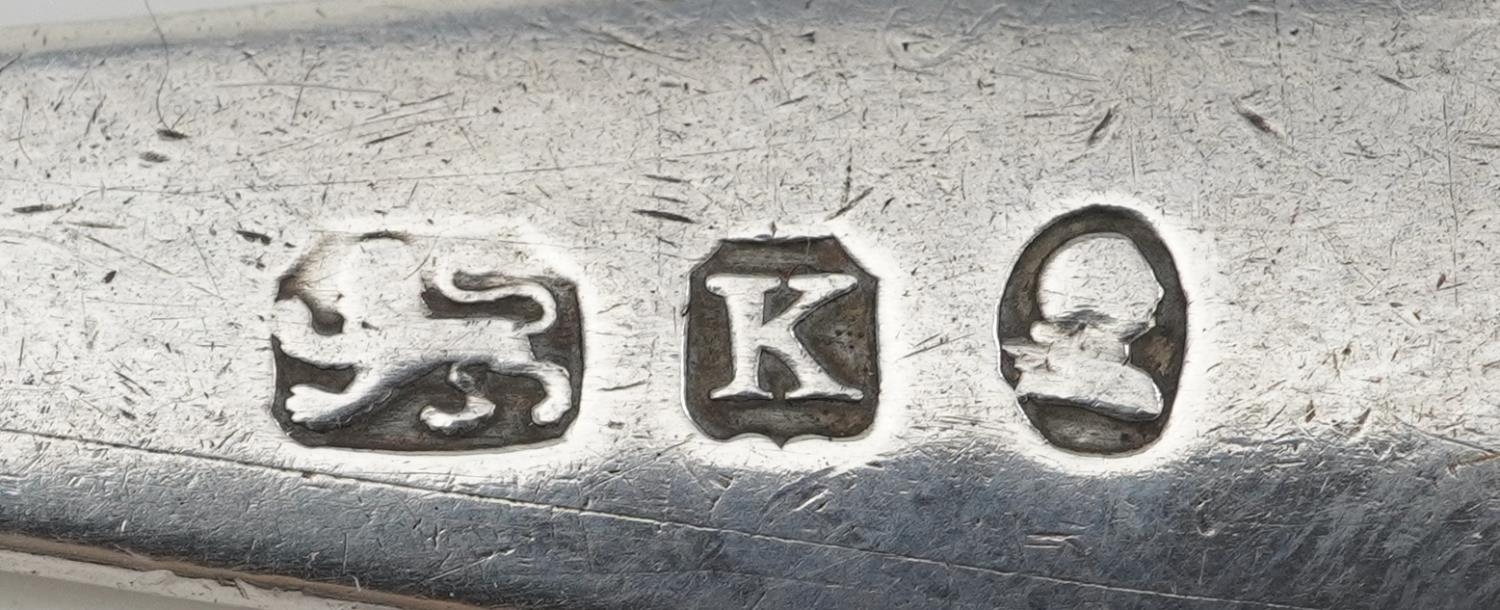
394	340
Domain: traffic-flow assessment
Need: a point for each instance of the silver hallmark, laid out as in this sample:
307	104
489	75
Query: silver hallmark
705	304
395	341
1093	329
781	340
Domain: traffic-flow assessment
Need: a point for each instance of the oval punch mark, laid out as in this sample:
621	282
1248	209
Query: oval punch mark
1093	331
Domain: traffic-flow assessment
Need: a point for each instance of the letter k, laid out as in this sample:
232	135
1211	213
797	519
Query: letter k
745	298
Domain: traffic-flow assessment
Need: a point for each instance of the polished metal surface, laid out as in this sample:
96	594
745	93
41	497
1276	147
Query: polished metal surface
830	304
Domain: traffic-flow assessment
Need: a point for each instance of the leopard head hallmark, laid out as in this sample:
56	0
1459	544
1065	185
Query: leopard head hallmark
389	340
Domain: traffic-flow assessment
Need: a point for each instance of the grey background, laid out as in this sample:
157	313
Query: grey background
59	11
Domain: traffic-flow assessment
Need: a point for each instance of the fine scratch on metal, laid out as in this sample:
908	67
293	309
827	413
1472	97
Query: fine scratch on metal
664	522
819	304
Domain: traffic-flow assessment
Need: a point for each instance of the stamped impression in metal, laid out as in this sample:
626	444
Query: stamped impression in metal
1093	331
396	341
782	341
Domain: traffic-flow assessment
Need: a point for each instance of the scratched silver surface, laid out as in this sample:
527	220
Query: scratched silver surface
1321	171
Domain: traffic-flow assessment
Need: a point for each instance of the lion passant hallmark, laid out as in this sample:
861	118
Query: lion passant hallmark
406	341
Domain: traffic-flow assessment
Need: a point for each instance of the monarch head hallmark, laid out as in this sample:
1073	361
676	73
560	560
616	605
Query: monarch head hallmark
1093	331
385	340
